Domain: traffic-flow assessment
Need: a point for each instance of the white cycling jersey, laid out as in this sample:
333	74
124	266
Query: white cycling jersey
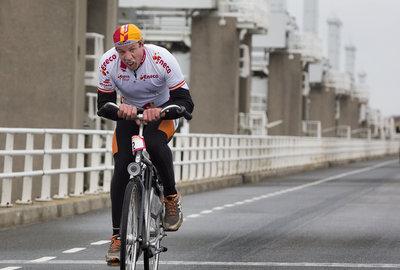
158	74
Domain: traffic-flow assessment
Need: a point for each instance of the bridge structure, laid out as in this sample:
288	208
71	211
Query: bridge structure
262	38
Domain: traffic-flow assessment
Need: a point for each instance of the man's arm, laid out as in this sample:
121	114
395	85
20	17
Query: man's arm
102	98
179	97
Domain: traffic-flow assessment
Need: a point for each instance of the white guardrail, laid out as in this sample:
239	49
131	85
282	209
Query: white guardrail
80	161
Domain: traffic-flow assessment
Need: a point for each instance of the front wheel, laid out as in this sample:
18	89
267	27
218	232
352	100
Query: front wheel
151	260
151	255
130	245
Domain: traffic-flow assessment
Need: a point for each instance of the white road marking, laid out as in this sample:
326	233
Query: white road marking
101	242
284	264
11	268
239	203
250	265
284	191
73	250
41	260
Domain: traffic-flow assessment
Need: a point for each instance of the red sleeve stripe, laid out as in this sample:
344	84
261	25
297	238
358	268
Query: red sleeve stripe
176	86
105	91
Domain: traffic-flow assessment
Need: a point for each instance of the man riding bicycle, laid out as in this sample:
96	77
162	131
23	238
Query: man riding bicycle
148	77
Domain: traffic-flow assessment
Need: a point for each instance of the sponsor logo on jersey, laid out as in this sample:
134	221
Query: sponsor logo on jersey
106	83
106	62
144	77
123	77
160	61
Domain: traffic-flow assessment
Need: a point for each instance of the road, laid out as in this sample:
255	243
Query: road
333	218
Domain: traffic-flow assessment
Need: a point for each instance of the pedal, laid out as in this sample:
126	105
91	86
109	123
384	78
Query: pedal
113	262
159	250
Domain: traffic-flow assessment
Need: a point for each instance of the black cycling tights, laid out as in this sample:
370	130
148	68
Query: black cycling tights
160	154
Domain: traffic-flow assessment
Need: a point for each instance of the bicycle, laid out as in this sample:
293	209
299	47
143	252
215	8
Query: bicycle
141	229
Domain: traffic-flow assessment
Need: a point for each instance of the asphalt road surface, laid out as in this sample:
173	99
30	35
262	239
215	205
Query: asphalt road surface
345	217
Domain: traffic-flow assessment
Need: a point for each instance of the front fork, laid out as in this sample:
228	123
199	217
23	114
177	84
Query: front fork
141	170
144	178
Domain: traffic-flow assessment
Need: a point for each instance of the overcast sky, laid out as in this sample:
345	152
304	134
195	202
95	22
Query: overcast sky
373	26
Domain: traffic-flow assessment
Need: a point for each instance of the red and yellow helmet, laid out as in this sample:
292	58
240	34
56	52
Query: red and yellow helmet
127	34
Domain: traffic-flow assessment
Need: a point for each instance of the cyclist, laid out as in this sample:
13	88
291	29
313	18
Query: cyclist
148	77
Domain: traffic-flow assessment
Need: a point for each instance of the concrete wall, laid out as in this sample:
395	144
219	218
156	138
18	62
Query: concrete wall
102	19
245	83
214	75
323	107
349	112
42	63
285	100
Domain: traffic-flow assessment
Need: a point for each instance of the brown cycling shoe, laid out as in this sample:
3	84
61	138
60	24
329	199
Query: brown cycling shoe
173	217
112	256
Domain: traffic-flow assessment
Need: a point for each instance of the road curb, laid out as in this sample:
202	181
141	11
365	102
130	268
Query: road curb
45	211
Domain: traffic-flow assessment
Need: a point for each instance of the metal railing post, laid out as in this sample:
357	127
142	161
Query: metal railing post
234	155
220	162
193	157
80	163
207	165
28	167
64	164
214	154
186	158
227	155
7	182
45	194
94	163
177	158
201	157
108	163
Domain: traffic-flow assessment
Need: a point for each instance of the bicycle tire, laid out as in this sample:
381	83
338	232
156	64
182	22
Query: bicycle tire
151	260
130	251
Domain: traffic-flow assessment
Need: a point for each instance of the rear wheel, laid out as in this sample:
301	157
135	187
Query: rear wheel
130	245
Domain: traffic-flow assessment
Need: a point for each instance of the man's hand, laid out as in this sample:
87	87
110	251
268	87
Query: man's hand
151	114
127	112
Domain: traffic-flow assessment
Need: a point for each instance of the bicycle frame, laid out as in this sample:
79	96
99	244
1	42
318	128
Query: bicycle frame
144	177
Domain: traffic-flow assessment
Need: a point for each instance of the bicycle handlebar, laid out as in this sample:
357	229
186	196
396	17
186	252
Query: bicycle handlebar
110	106
179	109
